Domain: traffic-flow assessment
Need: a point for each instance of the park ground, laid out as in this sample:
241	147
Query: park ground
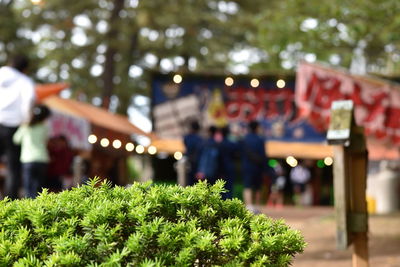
317	224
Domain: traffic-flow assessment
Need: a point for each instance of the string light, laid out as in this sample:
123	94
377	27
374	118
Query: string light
104	142
328	161
92	139
117	144
177	78
139	149
291	161
280	83
129	147
178	155
152	150
229	81
254	83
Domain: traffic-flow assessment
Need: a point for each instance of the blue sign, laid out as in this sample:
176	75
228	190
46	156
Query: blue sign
220	101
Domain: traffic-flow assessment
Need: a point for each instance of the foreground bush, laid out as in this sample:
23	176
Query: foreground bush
144	225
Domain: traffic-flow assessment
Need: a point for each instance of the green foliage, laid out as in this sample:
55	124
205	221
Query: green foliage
143	225
331	30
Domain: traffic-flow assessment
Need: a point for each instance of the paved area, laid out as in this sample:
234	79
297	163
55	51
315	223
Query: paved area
317	224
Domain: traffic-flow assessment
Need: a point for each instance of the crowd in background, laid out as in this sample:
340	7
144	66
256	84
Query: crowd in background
35	161
216	155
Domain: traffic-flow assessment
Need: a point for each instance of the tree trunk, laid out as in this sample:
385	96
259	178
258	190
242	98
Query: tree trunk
109	64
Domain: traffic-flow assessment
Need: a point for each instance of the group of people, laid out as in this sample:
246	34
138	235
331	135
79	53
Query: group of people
24	134
214	157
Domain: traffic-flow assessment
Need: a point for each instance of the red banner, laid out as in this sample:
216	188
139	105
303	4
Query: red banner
377	103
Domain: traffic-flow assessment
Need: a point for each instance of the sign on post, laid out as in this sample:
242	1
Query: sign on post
341	122
339	135
349	172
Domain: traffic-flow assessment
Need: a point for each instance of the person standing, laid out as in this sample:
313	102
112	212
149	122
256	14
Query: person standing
300	177
193	143
60	164
17	95
253	165
229	152
33	139
209	166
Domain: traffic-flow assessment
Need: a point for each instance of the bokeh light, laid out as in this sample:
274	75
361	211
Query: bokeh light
229	81
291	161
254	83
104	142
139	149
92	138
272	163
178	155
152	150
129	147
328	161
117	144
280	83
177	78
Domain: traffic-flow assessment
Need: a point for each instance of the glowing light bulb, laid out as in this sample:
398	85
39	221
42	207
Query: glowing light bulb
254	83
129	147
178	155
229	81
139	149
177	78
104	142
291	161
152	150
328	161
92	138
117	144
280	83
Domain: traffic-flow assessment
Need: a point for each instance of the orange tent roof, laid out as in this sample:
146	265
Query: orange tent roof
276	149
95	115
46	90
273	148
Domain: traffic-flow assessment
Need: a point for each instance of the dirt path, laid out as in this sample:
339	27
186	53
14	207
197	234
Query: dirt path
318	227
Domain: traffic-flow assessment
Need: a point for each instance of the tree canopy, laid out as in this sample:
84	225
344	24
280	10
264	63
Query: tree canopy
106	48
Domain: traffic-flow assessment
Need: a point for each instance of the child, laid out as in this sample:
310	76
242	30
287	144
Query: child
34	156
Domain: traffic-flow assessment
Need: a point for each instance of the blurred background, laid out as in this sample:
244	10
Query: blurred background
135	72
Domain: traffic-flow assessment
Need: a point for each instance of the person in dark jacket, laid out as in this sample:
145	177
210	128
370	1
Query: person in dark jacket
209	165
193	143
253	165
229	151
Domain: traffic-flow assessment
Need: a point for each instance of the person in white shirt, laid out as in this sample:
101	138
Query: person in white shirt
17	95
300	177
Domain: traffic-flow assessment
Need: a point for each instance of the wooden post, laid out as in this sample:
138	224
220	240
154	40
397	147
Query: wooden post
341	195
350	181
358	205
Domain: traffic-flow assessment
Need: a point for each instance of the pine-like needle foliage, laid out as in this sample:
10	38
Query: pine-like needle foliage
143	225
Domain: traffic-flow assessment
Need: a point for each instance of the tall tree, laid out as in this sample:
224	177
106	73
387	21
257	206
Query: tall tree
105	47
331	31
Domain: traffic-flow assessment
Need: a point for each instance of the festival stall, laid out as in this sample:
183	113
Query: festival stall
376	109
221	100
103	138
377	104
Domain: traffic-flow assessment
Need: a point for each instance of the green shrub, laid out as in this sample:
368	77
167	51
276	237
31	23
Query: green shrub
143	225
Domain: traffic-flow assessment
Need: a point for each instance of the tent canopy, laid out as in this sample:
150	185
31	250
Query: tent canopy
95	115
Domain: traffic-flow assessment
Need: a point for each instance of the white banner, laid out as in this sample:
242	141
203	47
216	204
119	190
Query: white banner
75	129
